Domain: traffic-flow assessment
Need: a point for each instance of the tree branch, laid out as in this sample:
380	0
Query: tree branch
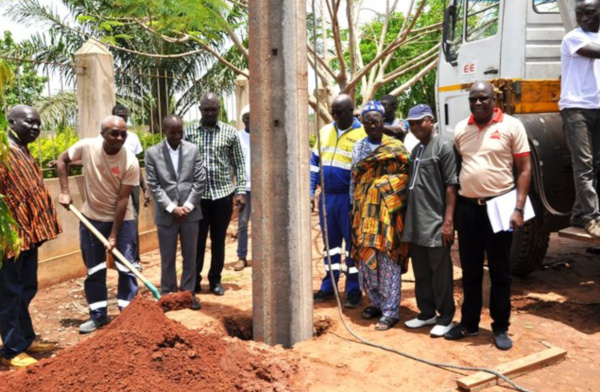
333	8
406	69
320	110
399	90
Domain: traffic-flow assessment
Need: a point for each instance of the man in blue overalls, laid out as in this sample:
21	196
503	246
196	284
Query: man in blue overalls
335	154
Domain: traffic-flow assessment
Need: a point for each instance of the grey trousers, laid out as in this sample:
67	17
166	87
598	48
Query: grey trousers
434	283
582	131
167	240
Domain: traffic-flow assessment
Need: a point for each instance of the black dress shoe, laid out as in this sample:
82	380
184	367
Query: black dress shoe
217	289
195	304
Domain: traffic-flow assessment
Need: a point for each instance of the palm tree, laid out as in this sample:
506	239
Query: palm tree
156	76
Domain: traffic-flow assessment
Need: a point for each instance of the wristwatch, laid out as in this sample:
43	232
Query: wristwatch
519	209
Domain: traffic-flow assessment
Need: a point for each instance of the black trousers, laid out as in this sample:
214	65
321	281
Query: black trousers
18	286
476	240
434	282
216	215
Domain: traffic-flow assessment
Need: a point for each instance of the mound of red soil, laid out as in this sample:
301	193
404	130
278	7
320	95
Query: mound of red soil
176	301
143	350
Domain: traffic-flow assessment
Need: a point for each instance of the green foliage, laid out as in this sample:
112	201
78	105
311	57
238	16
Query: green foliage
423	91
26	85
9	236
10	242
48	148
148	140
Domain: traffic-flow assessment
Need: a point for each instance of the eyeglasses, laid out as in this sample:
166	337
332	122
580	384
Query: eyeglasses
480	99
116	134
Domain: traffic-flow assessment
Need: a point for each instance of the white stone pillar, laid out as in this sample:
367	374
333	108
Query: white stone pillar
242	98
95	86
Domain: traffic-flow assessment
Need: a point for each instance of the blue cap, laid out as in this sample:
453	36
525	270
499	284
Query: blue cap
419	112
373	106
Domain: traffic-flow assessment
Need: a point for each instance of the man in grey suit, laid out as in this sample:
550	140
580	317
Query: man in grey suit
176	177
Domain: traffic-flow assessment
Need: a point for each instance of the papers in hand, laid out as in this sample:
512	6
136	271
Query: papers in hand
499	210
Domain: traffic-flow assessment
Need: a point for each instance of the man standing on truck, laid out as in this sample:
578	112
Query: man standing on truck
489	143
580	110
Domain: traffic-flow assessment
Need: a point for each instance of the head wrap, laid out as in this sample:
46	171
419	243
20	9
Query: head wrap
373	106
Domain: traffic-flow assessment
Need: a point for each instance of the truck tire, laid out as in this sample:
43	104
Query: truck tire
529	247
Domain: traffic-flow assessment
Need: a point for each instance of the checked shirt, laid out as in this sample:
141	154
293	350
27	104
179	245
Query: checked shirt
222	151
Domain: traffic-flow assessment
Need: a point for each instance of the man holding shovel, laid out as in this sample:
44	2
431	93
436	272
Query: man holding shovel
110	173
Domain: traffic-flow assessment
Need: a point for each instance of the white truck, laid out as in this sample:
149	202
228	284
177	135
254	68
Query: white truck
515	44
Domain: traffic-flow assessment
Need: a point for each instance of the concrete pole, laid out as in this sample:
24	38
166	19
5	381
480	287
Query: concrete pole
281	247
95	86
241	98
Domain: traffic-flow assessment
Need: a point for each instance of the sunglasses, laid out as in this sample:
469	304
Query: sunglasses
116	134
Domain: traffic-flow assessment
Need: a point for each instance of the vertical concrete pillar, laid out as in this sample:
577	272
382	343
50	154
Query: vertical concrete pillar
242	97
95	86
281	247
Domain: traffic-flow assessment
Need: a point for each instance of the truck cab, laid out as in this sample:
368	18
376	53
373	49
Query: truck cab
515	45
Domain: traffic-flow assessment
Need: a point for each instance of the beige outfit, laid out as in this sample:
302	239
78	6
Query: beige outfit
104	175
488	154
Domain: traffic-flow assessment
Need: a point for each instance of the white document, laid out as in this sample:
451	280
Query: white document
500	209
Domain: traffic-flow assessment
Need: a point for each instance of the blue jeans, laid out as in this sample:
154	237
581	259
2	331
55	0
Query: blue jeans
94	257
243	219
18	286
582	131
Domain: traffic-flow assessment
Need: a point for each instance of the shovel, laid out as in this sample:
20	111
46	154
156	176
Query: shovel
115	251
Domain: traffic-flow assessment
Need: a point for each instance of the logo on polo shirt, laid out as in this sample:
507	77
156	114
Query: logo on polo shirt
116	170
495	135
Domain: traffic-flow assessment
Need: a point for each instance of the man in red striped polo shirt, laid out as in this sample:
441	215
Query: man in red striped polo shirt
489	143
31	206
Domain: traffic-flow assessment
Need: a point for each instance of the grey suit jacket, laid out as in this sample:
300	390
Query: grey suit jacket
167	188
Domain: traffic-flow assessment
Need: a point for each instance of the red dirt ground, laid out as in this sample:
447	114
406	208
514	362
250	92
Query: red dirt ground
143	350
557	305
176	301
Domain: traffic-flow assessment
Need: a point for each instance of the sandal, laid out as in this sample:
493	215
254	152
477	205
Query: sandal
386	323
370	312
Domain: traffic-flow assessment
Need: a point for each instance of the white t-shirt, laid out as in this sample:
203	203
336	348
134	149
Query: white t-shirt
103	176
410	141
578	83
133	144
245	142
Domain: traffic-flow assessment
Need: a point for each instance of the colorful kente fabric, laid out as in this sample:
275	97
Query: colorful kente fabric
379	196
28	199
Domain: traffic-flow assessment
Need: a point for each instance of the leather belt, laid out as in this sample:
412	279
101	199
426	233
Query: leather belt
477	200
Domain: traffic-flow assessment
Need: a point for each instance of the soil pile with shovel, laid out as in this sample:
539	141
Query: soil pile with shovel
143	350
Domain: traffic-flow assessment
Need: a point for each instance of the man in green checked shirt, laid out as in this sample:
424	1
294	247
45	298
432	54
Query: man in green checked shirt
221	150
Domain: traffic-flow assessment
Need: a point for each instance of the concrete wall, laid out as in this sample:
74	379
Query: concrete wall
60	259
